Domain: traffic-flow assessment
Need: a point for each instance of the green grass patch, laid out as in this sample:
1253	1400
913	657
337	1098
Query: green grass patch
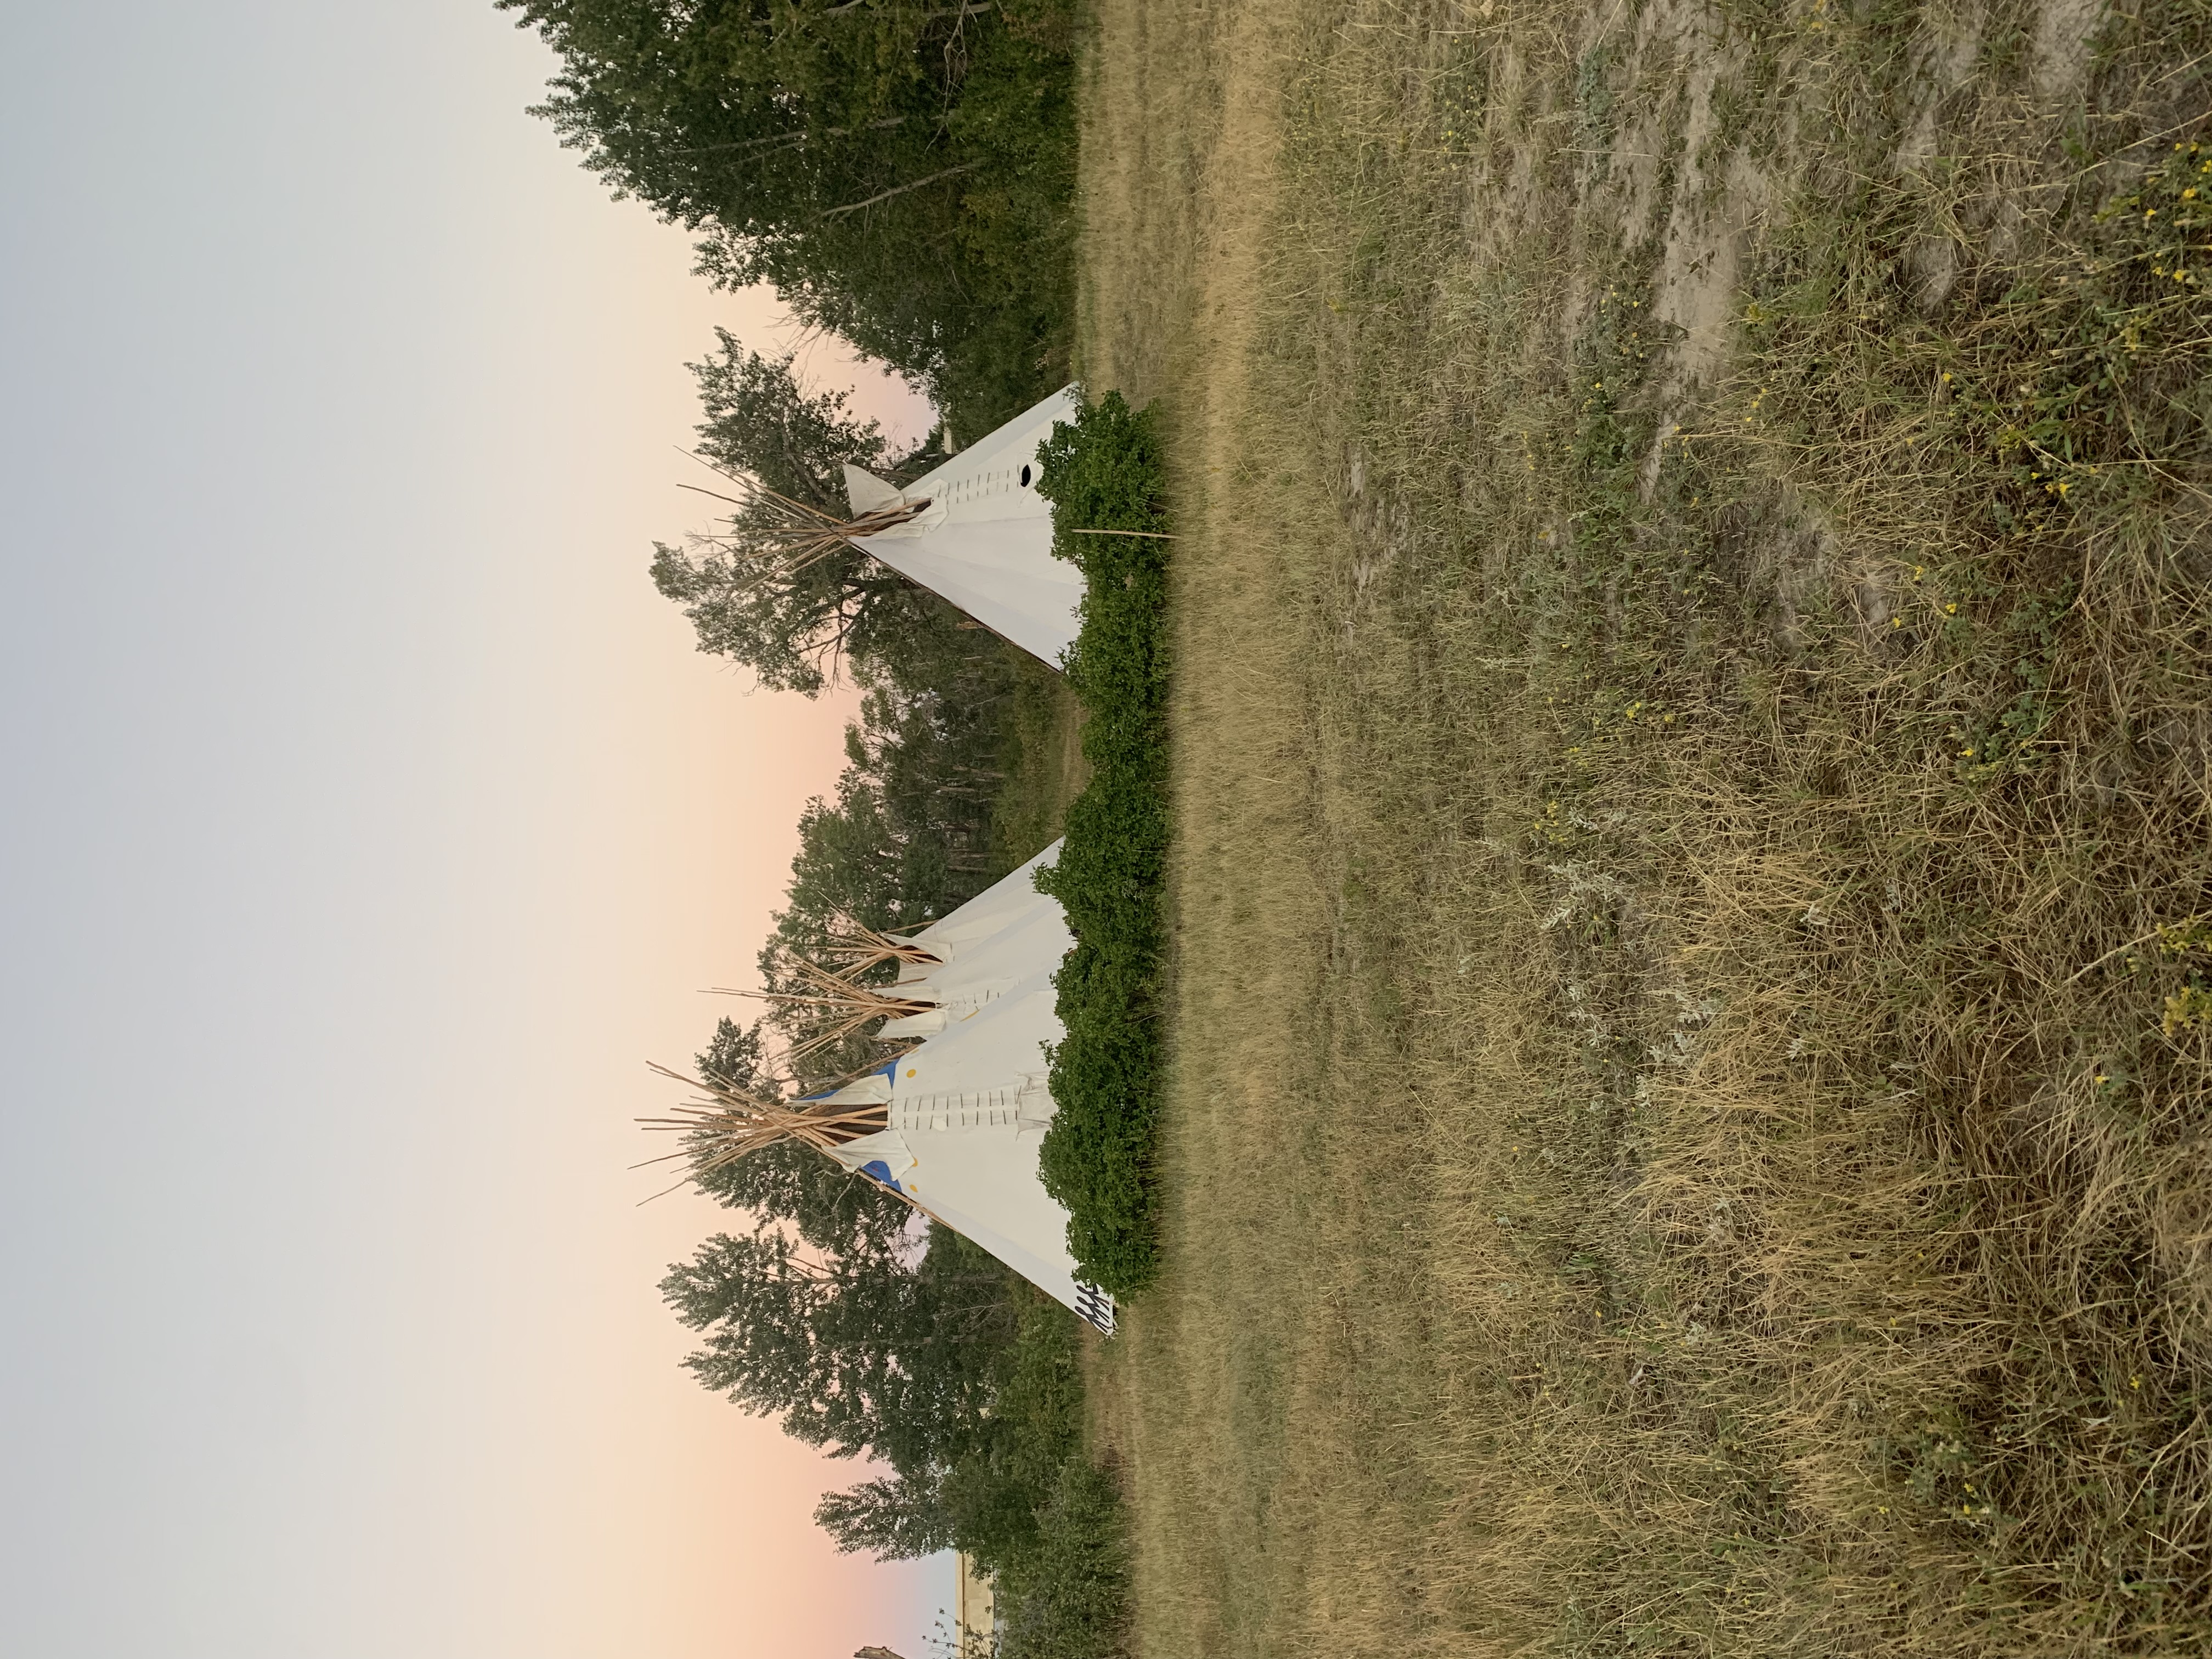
1104	473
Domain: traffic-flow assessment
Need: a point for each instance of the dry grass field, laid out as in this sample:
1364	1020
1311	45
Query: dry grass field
1693	909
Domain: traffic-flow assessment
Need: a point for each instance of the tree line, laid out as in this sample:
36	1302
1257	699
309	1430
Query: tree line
901	172
865	1333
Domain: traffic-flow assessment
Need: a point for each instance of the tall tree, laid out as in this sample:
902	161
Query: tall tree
900	170
865	1351
791	623
907	836
895	1519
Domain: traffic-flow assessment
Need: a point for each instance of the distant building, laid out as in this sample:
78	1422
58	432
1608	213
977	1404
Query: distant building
974	1608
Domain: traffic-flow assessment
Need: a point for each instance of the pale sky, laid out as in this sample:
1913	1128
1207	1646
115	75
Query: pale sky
369	823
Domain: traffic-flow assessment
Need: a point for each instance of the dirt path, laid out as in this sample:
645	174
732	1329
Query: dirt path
1174	291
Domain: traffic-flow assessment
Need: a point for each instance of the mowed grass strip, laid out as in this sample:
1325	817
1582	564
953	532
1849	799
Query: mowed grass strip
1101	473
1686	1119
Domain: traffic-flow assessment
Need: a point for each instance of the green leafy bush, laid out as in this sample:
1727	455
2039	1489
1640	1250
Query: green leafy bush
1069	1597
1102	472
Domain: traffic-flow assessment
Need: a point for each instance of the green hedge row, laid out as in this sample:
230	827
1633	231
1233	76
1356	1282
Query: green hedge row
1102	472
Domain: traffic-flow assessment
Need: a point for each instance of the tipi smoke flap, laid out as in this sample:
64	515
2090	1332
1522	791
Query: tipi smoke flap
952	1124
977	533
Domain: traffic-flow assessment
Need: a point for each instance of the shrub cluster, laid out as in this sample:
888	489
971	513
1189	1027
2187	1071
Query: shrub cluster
1104	473
1068	1598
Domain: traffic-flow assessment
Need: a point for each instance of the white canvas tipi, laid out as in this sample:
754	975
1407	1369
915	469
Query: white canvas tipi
984	540
965	1111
